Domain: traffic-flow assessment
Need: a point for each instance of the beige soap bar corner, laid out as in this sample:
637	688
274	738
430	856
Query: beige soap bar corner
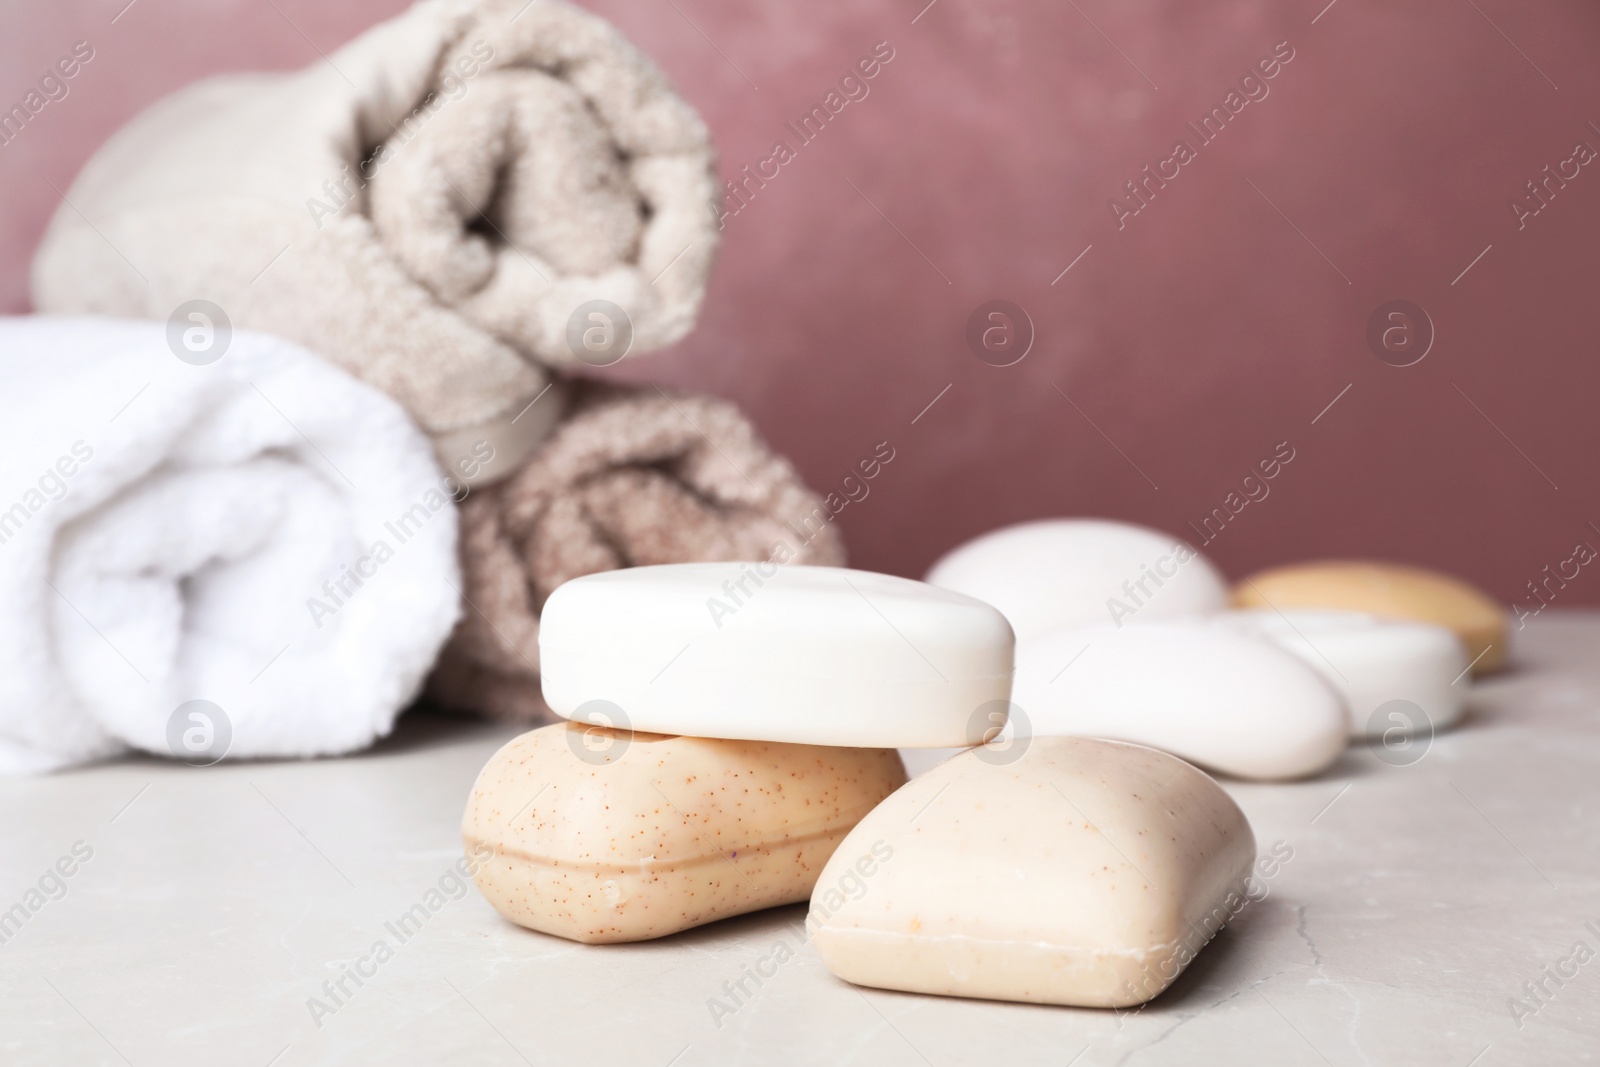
643	835
1084	873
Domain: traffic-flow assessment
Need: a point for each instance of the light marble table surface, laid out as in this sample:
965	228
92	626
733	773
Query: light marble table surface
214	904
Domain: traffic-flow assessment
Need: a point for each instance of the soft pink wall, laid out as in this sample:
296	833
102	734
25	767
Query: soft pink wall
1197	338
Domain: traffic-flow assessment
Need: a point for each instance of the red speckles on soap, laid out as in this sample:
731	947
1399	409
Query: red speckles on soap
671	833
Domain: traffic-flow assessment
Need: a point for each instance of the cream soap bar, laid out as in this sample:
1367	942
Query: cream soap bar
1082	872
1389	590
1065	572
1372	662
602	835
770	652
1228	701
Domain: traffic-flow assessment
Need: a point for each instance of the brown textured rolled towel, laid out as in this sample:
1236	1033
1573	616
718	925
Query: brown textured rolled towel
633	476
432	207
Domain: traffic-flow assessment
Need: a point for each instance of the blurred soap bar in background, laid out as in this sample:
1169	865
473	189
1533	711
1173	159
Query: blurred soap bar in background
1063	572
1232	702
1372	662
1389	590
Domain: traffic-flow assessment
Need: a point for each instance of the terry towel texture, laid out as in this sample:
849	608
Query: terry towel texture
262	532
429	207
633	477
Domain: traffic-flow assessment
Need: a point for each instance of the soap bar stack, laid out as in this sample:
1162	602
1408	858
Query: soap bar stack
729	724
730	747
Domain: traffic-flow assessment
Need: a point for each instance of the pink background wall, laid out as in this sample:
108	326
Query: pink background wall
1215	325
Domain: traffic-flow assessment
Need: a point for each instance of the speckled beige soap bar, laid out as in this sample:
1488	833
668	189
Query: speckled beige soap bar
1081	872
602	835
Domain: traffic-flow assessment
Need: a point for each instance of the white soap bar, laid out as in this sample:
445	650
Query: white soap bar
1372	662
770	652
1225	700
1064	572
1391	590
1083	872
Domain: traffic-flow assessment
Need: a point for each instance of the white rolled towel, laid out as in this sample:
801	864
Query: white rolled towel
250	554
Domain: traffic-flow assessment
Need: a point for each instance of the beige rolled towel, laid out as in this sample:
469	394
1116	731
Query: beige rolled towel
435	207
632	477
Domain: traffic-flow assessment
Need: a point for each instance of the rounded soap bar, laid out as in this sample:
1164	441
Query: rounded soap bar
1371	662
603	835
1389	590
770	652
1063	572
1228	701
1080	872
